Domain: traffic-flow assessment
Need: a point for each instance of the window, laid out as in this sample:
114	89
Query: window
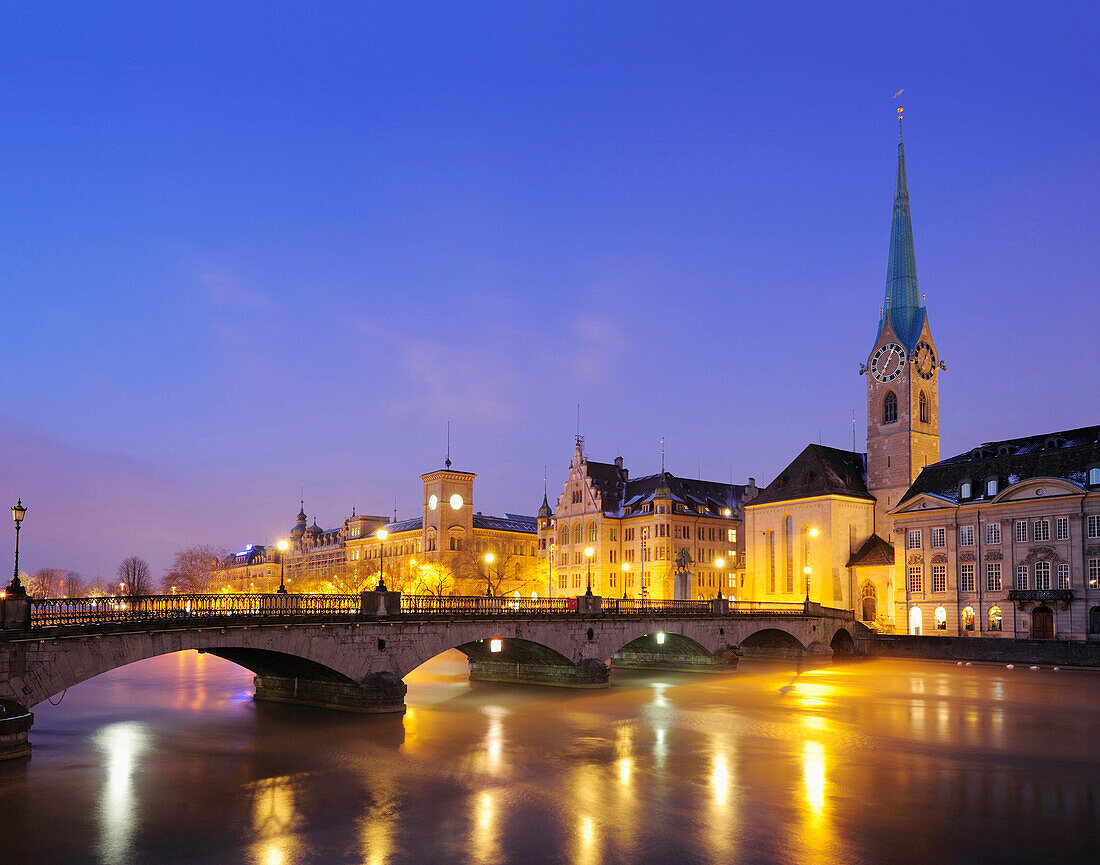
993	576
964	490
1094	526
1042	576
790	553
995	619
591	532
576	495
1094	476
1061	529
993	533
1041	530
916	582
1063	576
771	562
912	540
1021	576
562	579
923	408
611	556
1021	531
968	619
938	537
939	578
941	619
966	577
576	581
577	533
1094	573
966	536
890	408
612	534
991	487
628	534
611	579
732	536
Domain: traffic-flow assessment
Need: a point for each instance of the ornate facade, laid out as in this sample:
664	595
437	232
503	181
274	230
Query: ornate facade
658	536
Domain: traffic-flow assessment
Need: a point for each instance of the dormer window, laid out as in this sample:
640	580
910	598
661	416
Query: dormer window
1094	476
965	490
991	487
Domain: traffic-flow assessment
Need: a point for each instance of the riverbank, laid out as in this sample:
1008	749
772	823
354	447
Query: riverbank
1064	653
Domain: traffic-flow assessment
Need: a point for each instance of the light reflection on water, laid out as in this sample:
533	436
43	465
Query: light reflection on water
868	762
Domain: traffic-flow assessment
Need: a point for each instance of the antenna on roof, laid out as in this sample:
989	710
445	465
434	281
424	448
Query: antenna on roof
544	476
395	509
662	454
853	430
578	420
448	462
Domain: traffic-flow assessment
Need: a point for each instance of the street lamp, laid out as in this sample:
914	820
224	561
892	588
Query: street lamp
720	563
381	534
283	546
489	559
626	569
588	551
15	587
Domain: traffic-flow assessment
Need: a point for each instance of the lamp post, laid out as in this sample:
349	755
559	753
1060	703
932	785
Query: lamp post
626	570
588	551
15	587
381	534
720	563
283	546
489	559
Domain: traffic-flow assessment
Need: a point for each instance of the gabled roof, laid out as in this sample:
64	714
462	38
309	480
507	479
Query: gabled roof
1068	455
874	552
818	471
712	496
506	523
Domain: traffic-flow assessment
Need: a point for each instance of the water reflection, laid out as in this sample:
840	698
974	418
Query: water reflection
121	746
863	763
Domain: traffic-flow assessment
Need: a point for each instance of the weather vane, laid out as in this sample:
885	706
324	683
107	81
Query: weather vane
900	109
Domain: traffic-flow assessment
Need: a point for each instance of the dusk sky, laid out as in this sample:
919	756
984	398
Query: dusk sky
253	249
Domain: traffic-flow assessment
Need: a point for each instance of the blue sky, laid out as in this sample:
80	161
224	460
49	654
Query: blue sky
252	249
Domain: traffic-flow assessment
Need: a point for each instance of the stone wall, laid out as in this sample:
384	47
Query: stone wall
1009	651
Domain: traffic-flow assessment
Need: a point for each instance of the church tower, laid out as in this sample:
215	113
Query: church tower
903	425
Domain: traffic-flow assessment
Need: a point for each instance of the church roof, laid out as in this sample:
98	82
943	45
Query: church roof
1068	455
902	306
874	552
818	471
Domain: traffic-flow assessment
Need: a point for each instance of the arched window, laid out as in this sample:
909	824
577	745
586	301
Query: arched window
1094	476
916	621
964	490
991	487
941	619
890	408
1042	576
564	535
968	619
591	532
922	405
788	530
868	598
576	533
995	619
771	563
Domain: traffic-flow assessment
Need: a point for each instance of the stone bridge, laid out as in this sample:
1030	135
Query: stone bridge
353	652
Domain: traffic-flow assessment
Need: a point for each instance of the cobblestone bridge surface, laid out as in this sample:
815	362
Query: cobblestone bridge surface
352	652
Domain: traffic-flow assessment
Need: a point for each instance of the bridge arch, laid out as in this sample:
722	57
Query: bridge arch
773	639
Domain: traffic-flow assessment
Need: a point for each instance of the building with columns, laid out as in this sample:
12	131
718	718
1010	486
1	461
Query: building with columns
658	536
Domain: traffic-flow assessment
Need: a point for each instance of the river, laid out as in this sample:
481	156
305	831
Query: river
170	761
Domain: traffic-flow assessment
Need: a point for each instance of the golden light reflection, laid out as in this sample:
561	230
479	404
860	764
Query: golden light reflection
494	736
122	745
484	843
274	821
625	765
720	778
813	722
813	773
377	825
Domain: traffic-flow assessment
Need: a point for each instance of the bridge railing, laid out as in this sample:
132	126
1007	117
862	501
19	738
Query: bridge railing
59	612
482	605
635	606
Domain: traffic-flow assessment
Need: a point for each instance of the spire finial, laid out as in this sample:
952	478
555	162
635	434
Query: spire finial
447	463
662	454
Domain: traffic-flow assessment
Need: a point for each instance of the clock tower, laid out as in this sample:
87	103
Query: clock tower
903	367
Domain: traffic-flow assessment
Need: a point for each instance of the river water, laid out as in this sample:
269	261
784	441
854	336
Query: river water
170	761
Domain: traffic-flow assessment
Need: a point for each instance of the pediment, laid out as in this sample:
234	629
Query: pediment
1034	488
923	502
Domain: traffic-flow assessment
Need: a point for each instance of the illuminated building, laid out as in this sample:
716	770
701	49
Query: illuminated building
637	529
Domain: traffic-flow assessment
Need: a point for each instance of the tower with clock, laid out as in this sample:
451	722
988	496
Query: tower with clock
448	523
903	367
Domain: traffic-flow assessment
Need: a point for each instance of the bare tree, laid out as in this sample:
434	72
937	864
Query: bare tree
192	571
133	575
46	583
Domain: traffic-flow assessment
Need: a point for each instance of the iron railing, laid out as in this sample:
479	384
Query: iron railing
63	612
57	612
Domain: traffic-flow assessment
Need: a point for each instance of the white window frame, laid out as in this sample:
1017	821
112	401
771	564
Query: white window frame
915	581
993	577
966	536
939	578
991	487
938	537
912	539
1022	577
1061	529
1094	572
1020	531
1092	522
992	533
1042	576
1063	576
966	577
1040	530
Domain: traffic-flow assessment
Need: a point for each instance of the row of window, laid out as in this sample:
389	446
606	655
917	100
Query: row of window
992	485
661	530
1040	571
1040	530
890	408
966	615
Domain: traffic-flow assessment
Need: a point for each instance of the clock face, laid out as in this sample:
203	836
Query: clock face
925	358
888	362
433	503
456	502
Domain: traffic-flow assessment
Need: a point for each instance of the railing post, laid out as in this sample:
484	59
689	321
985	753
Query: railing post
719	606
589	605
16	614
375	603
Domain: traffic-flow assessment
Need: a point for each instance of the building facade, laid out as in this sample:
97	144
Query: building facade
658	536
1004	540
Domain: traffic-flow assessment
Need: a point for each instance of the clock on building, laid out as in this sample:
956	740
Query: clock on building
456	502
925	359
888	362
433	503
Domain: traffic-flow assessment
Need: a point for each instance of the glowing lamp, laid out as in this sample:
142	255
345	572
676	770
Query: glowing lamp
588	551
489	558
495	645
660	638
381	534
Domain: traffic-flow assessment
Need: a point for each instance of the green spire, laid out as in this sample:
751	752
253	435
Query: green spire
902	306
